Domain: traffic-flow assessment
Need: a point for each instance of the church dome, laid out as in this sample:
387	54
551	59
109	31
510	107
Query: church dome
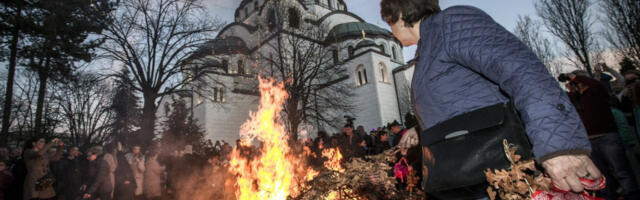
354	29
228	45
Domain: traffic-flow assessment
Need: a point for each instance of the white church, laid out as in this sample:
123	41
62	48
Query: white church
377	72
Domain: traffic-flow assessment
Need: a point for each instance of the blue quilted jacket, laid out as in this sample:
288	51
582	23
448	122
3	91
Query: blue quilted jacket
466	59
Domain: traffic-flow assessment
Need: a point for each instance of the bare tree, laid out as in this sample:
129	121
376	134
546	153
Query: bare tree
315	81
153	38
623	20
24	110
571	22
86	116
529	32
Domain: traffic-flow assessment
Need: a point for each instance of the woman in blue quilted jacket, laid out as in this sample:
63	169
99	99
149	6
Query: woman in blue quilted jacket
467	62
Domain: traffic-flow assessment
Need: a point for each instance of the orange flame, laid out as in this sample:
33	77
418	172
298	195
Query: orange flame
274	173
334	158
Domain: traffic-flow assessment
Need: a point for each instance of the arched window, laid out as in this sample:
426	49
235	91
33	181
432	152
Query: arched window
384	50
393	52
336	56
271	20
246	12
331	4
240	67
218	94
225	66
294	18
361	75
255	6
384	76
351	51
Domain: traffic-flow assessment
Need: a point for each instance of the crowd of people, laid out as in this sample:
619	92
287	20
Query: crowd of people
608	105
42	170
51	170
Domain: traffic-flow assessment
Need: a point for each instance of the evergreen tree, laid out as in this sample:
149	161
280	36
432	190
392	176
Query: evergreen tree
126	110
180	129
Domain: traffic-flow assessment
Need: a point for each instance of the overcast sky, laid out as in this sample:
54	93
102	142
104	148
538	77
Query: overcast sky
504	12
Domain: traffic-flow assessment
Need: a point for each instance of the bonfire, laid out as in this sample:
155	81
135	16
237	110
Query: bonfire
277	172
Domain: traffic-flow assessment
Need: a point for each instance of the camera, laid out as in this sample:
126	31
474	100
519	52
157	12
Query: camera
563	78
349	120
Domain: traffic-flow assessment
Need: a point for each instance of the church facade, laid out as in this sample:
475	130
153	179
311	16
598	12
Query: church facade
375	67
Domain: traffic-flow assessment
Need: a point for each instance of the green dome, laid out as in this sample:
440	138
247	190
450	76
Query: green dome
355	29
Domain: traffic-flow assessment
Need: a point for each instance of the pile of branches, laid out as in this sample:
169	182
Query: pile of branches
519	181
367	178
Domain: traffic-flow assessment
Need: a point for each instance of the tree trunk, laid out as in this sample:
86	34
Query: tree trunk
6	115
148	118
43	75
294	119
587	61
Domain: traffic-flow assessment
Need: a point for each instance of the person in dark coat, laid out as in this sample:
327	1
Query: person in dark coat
69	172
6	178
19	171
397	131
125	182
99	183
382	143
350	143
57	169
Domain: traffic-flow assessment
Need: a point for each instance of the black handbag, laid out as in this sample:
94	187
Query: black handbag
458	151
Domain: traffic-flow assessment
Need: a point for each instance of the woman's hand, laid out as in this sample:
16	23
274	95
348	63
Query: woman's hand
566	171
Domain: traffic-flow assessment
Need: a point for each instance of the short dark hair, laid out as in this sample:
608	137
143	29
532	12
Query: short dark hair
412	11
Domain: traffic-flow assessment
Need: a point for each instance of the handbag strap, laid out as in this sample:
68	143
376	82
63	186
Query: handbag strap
405	161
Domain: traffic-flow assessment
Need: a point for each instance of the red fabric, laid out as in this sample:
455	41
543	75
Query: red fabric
401	170
558	194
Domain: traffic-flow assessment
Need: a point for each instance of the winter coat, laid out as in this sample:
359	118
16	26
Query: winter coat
397	137
19	171
6	179
381	146
137	167
100	181
125	183
113	164
37	163
70	180
467	61
593	107
350	146
153	178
